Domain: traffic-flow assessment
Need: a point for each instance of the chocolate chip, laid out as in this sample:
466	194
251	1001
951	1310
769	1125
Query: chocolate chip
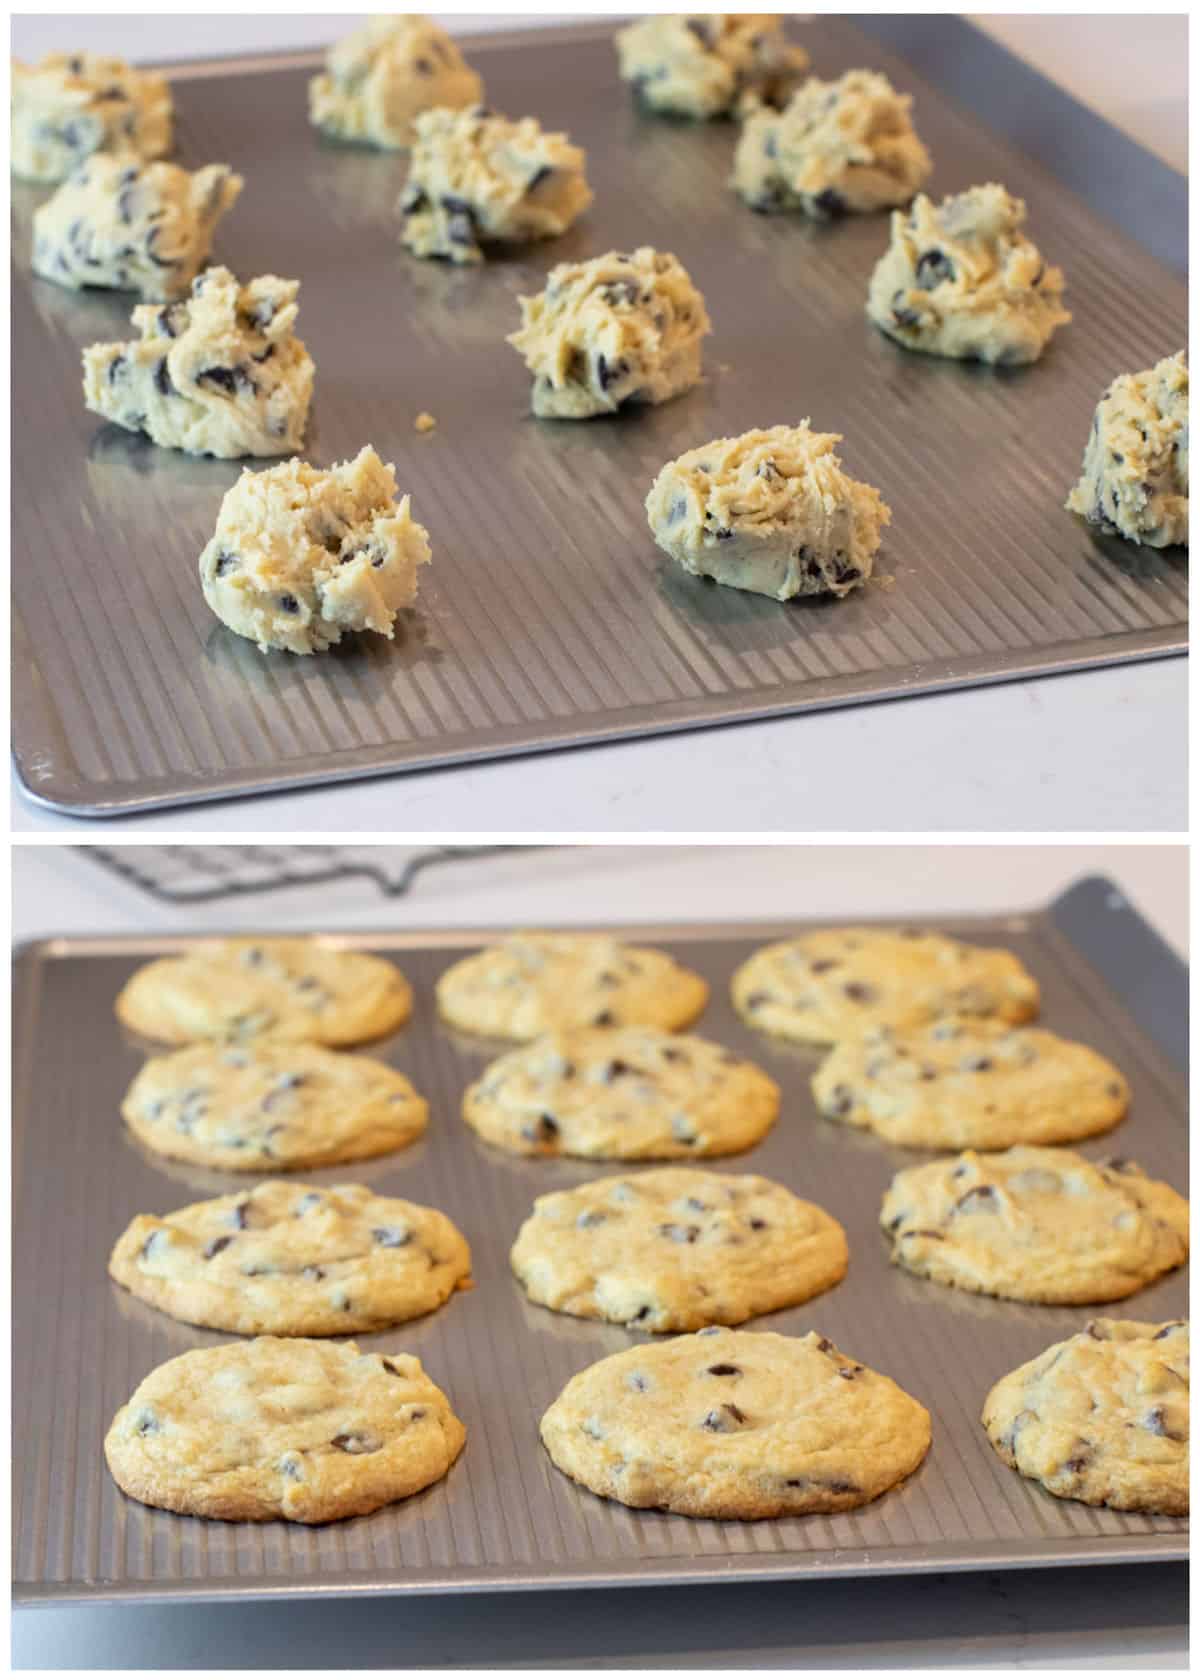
356	1443
839	1101
858	992
147	1422
637	1382
590	1217
756	1000
289	604
976	1064
150	1244
606	1018
215	1246
823	965
391	1236
542	1130
933	267
849	1372
935	1236
1156	1422
983	1195
724	1370
312	1274
723	1418
679	1233
829	203
758	1224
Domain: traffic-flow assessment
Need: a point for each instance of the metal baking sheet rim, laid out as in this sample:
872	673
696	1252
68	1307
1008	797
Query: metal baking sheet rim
85	799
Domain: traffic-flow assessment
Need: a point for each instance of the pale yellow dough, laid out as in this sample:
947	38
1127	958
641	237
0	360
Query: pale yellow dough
838	146
220	374
711	64
770	511
68	106
1041	1225
478	179
1135	467
960	279
301	556
622	328
382	76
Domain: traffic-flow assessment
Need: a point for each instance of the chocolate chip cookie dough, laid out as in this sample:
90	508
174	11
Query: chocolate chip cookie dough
142	227
736	1424
221	373
532	983
380	77
624	1094
711	64
960	279
305	1430
840	983
962	1083
769	511
478	179
290	1259
838	146
622	328
301	556
1135	466
676	1249
271	1107
1101	1417
70	105
299	990
1042	1225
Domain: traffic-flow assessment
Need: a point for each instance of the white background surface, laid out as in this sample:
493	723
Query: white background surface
1127	1618
1102	750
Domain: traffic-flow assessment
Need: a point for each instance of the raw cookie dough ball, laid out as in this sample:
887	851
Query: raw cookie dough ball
142	227
477	178
1035	1225
1135	466
711	64
70	105
305	1430
1101	1417
299	555
625	327
287	1259
960	279
380	77
839	983
736	1424
221	374
676	1249
769	511
838	146
964	1083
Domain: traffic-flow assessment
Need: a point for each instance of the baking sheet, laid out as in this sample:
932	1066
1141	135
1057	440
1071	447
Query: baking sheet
504	1518
549	618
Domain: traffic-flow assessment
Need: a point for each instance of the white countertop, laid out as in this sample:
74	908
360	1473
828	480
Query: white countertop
1130	1618
1101	750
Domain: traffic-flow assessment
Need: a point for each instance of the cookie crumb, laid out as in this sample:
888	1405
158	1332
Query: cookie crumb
424	422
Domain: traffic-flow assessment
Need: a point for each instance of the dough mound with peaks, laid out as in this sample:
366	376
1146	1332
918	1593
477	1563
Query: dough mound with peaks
478	179
378	80
1135	467
131	226
770	511
960	279
711	64
301	556
71	105
838	146
623	328
220	374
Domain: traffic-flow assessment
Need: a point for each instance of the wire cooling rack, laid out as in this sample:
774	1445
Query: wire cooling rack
197	874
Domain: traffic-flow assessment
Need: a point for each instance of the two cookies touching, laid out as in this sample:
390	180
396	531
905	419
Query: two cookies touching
925	1043
301	555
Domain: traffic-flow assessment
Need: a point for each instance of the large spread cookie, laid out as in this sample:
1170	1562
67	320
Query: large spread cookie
624	1094
1035	1225
533	983
676	1249
310	1431
271	1106
736	1423
962	1084
295	989
839	982
1101	1417
293	1260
